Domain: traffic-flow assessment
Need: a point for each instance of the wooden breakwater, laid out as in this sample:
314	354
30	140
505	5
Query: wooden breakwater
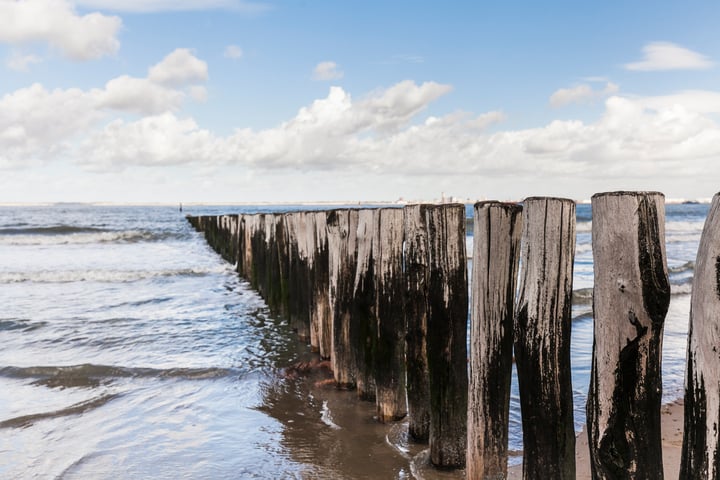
383	294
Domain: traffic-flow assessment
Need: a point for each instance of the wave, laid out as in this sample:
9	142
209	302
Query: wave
53	230
685	267
582	296
102	276
81	236
23	324
88	374
76	409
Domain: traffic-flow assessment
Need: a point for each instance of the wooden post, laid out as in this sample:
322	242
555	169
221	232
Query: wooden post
283	255
542	338
320	287
342	259
389	355
259	255
298	276
447	334
363	326
246	247
416	308
631	296
496	252
701	441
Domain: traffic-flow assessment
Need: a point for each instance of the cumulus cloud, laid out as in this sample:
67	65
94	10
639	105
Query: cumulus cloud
583	93
669	56
156	140
327	71
55	22
233	51
383	133
138	95
37	123
21	62
179	68
146	6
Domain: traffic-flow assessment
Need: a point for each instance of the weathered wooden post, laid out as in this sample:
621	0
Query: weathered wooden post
542	338
342	259
320	288
283	259
363	326
496	253
298	276
389	356
447	334
701	441
631	296
259	255
416	307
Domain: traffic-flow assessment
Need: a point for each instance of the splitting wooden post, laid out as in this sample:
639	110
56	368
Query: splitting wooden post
631	295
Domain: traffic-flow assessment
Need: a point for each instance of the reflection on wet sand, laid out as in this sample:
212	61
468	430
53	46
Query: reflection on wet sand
335	435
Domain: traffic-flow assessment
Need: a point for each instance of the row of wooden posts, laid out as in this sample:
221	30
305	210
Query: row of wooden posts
383	294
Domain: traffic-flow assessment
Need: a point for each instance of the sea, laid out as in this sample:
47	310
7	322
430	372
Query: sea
130	349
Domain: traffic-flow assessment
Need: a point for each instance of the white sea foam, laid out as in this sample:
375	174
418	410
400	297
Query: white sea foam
81	238
102	276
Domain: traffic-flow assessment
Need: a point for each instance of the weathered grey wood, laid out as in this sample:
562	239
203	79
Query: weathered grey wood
416	308
283	256
246	247
298	275
447	334
389	355
363	326
701	441
320	291
631	295
542	338
496	253
342	260
259	255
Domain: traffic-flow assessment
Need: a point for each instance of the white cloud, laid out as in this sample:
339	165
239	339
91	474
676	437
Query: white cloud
327	71
20	62
669	56
146	6
36	123
157	140
383	135
581	94
233	51
138	95
56	23
179	68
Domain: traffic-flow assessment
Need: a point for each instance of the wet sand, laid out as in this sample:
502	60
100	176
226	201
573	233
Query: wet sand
672	432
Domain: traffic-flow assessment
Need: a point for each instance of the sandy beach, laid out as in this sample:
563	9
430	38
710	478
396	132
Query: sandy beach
672	432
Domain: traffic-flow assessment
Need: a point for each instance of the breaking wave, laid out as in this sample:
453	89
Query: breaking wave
102	276
67	235
25	421
73	374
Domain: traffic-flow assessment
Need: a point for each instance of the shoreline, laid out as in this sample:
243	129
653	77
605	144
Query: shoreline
672	418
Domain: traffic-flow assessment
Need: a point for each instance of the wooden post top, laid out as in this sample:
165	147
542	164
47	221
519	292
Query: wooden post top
623	193
558	199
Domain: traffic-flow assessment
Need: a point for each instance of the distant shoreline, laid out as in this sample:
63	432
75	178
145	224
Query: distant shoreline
669	201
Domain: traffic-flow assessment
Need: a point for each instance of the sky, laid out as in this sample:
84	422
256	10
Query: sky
229	101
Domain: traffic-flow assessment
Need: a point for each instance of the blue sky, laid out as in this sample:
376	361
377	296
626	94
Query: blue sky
232	101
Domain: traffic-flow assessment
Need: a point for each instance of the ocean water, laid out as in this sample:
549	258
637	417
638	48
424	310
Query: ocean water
129	349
